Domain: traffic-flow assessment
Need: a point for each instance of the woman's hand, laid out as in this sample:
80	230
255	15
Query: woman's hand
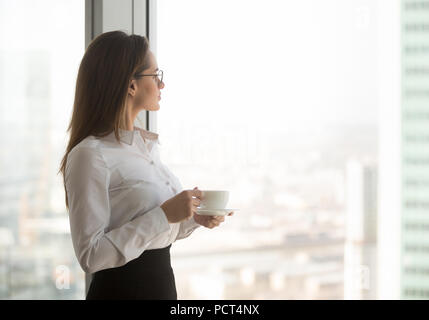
210	221
182	206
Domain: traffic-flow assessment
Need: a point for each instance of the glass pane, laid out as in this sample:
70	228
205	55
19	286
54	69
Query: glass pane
41	44
284	116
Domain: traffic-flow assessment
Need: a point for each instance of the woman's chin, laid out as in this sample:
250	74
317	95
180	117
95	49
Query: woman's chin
154	107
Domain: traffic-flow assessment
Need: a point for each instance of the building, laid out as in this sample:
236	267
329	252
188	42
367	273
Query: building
404	150
360	255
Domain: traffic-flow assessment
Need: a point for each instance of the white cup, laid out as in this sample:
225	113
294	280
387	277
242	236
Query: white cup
214	199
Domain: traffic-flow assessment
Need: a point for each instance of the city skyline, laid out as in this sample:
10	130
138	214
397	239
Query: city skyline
283	148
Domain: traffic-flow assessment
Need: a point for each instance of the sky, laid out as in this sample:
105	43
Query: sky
299	65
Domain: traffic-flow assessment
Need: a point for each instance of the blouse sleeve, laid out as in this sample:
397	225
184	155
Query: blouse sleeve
186	228
87	180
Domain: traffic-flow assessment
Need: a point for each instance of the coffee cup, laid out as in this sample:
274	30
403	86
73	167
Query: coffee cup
214	199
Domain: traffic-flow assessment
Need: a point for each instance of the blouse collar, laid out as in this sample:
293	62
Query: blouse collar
127	136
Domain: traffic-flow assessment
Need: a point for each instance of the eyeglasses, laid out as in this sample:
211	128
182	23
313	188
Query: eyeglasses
159	75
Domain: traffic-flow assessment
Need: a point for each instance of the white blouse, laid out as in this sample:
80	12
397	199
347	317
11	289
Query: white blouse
114	192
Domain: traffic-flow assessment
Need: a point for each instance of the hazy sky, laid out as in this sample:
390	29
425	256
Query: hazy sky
295	64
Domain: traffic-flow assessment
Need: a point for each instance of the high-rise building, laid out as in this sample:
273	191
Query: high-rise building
361	231
404	150
415	149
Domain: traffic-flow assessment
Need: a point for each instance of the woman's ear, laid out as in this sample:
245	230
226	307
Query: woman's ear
132	88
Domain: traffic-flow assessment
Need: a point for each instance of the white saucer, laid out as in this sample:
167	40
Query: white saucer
214	212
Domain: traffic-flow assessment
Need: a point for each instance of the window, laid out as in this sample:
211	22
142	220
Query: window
41	44
260	99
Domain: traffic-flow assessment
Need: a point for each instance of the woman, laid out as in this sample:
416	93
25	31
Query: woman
125	207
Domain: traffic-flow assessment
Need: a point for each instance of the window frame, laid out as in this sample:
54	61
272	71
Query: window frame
133	17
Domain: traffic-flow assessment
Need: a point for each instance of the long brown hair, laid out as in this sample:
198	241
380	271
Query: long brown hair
105	73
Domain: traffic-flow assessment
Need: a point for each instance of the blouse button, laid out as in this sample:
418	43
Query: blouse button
152	162
167	183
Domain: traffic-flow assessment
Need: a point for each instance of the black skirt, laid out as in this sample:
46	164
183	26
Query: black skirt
149	276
